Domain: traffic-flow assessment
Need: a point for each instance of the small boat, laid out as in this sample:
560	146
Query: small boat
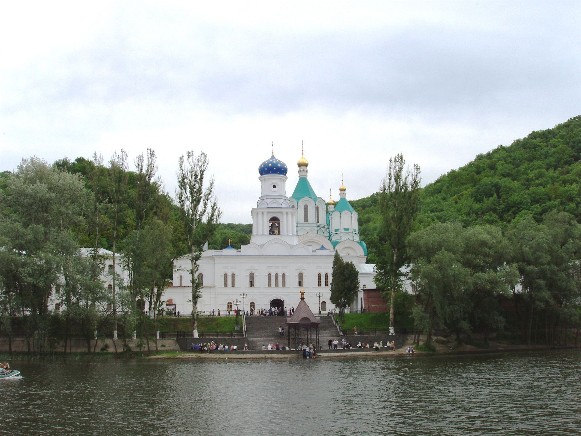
10	374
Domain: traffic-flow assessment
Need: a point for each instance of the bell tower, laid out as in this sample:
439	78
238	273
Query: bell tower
274	216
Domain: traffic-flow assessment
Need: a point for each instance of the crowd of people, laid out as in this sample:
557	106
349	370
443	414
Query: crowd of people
273	311
212	346
345	345
274	347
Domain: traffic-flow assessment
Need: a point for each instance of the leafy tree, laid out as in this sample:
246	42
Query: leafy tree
547	254
398	205
117	189
484	253
41	211
440	279
200	214
459	273
345	283
235	235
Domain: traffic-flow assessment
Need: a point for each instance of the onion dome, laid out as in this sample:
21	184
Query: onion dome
302	161
272	166
342	188
331	202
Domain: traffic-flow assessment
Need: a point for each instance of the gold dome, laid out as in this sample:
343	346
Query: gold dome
342	188
302	161
331	202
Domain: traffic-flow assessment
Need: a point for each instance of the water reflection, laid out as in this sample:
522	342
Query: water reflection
501	394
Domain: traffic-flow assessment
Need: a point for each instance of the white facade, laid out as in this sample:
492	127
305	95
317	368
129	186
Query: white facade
108	271
293	243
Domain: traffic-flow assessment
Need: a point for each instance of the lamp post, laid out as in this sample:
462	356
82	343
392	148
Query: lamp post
243	295
319	295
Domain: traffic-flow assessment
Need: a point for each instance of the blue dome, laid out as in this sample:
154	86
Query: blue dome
272	166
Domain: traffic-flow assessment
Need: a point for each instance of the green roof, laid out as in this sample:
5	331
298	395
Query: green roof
343	205
304	189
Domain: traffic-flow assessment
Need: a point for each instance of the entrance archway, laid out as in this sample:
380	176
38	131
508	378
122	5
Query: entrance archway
278	304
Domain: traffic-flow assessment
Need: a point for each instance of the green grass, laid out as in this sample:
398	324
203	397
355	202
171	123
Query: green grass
365	323
213	324
217	324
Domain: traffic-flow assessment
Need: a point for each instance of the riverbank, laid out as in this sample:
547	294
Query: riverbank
441	349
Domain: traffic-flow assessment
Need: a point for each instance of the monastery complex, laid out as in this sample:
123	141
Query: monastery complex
293	242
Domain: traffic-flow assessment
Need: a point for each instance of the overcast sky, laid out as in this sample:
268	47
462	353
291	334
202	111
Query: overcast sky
356	82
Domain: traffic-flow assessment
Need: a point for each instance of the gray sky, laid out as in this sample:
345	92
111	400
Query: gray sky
357	82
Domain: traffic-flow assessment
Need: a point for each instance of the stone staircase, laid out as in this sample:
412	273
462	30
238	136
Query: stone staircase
263	330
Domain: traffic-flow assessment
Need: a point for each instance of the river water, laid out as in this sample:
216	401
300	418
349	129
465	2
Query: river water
520	393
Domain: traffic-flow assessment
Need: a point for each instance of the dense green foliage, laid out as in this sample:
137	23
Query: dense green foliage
533	176
48	213
500	205
512	215
345	283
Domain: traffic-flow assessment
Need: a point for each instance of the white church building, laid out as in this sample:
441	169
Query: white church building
292	246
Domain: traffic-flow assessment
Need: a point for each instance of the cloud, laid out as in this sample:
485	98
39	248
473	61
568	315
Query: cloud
358	83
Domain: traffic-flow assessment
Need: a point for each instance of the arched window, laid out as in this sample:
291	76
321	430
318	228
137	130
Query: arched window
229	307
319	283
323	306
317	214
200	279
252	307
326	279
225	280
300	279
233	284
110	288
283	280
181	280
251	280
306	213
276	280
274	226
269	280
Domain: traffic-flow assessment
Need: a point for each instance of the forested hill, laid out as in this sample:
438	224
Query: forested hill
533	175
